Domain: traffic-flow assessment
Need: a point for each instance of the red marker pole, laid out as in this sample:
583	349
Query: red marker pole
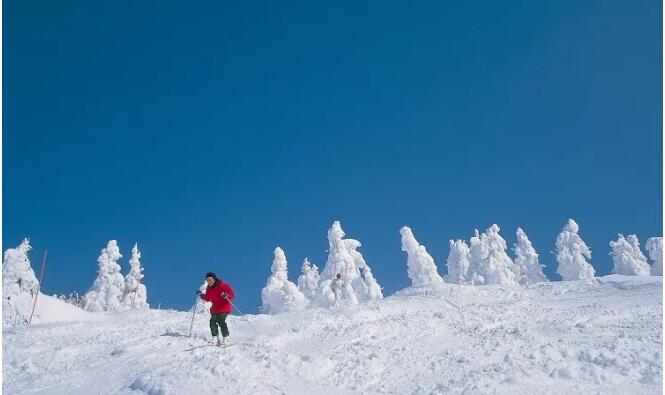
39	286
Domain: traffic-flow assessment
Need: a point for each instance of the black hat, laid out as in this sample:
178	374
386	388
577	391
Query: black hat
211	274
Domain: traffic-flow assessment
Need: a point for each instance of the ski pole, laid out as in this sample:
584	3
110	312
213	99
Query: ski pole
234	306
191	326
241	313
39	286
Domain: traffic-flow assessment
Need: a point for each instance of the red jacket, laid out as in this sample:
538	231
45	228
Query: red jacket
214	294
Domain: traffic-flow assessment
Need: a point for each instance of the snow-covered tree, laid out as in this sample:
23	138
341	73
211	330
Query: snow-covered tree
637	252
477	255
108	288
366	285
496	267
19	285
655	248
280	295
73	297
345	260
201	306
325	296
526	260
420	265
458	261
309	279
136	294
572	254
627	257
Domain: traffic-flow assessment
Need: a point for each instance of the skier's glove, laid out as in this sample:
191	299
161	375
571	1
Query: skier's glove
199	293
224	295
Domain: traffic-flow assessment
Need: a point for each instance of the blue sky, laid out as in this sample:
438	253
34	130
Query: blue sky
212	132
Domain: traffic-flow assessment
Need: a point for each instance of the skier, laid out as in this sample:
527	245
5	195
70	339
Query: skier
336	286
220	295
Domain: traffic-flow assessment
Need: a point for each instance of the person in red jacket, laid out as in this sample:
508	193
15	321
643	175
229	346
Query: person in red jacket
220	295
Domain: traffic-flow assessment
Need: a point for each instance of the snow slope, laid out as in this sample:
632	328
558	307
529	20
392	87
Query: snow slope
51	309
599	335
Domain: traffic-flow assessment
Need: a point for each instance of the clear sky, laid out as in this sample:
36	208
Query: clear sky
212	131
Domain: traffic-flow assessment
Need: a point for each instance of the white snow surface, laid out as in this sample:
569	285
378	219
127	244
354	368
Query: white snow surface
49	309
601	335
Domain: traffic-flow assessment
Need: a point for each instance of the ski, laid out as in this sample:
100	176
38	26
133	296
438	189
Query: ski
210	345
195	347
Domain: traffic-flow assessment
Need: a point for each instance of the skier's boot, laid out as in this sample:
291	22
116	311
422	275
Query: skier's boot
225	341
219	343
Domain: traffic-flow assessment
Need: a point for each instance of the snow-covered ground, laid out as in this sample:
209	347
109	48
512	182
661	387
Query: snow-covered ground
597	336
52	309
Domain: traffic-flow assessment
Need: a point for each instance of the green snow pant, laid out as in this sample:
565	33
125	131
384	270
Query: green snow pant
219	319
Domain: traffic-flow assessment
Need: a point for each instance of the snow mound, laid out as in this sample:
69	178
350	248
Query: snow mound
601	335
50	309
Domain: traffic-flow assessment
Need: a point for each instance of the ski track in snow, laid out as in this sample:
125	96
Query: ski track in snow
597	336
